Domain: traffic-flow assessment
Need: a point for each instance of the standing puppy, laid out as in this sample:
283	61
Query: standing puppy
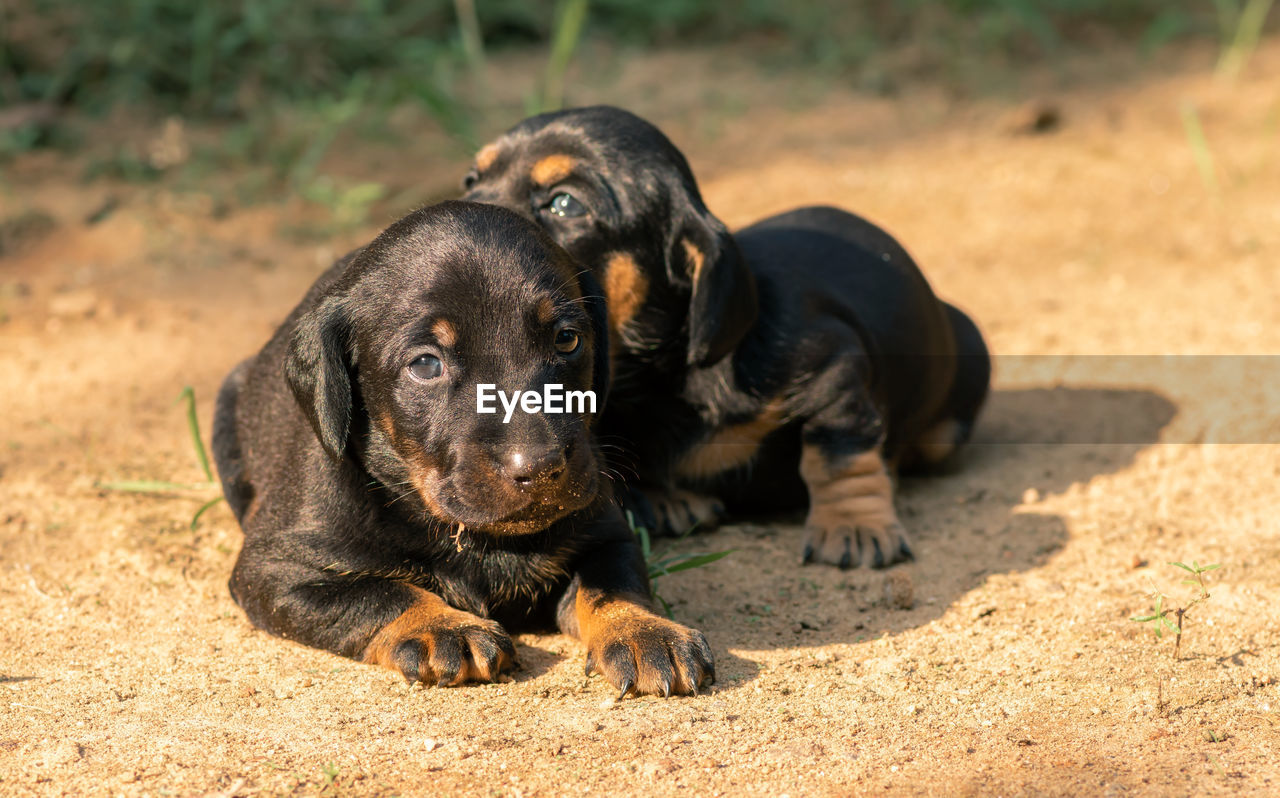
385	518
803	358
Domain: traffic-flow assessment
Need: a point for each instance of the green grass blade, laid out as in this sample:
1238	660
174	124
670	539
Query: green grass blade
1183	566
665	606
150	486
570	20
1211	567
662	562
697	561
1248	31
193	424
472	40
195	519
640	532
1203	157
1228	13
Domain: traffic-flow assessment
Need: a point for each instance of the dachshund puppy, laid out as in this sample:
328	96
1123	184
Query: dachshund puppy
387	518
803	359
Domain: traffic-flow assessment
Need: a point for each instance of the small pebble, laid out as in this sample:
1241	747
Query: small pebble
660	768
1036	117
898	590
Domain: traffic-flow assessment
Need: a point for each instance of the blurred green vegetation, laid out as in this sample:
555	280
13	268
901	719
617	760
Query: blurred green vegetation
226	58
282	80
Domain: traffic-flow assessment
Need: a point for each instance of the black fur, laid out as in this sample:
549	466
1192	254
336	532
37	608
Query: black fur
815	316
365	491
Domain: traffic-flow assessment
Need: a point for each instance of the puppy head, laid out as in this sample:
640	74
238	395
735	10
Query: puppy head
616	193
387	362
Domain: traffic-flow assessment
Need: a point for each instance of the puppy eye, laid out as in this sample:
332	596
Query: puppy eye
427	367
470	180
568	341
566	207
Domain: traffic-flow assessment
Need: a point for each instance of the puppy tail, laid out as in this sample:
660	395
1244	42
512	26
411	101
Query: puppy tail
227	456
934	450
973	374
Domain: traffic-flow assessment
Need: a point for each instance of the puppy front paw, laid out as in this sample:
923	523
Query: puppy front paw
672	513
845	546
851	517
642	653
434	643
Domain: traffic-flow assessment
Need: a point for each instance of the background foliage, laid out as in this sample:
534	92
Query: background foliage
223	59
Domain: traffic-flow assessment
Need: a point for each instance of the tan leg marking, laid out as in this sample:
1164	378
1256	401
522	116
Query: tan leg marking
552	168
639	651
446	646
730	447
851	517
486	156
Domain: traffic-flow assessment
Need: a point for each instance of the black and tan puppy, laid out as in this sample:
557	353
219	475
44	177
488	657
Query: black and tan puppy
803	358
386	519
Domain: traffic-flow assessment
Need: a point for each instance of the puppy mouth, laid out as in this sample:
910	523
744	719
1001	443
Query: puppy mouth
479	509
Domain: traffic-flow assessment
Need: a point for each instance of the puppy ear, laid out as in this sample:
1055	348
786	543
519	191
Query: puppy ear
317	368
593	298
723	304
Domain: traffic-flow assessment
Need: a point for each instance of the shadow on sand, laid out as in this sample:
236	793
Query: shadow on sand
965	523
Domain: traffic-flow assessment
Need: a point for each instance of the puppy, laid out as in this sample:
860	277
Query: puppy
389	521
801	360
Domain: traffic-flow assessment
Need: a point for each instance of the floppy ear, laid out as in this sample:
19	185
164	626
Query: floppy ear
597	308
317	370
723	304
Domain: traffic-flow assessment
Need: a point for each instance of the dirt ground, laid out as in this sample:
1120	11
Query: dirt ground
1085	252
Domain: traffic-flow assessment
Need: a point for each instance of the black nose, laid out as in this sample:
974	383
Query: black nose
533	468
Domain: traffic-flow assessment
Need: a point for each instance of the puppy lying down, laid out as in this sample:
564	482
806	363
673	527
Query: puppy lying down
385	519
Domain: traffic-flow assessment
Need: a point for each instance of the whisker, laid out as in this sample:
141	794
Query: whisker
398	498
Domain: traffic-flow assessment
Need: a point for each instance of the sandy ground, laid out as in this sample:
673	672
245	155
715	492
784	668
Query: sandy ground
1084	252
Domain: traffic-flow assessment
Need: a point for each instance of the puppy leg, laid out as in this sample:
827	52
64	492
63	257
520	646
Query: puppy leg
607	607
673	512
381	621
851	519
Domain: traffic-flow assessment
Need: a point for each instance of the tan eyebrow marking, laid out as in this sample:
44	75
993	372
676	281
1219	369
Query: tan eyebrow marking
545	310
552	168
486	156
445	332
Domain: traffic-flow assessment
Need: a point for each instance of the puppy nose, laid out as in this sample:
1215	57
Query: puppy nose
534	468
